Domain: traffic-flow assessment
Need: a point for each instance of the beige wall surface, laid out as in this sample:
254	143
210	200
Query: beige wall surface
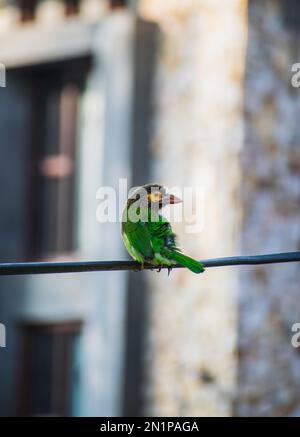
197	138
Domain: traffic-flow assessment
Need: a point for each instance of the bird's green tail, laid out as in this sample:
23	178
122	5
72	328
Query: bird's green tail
184	260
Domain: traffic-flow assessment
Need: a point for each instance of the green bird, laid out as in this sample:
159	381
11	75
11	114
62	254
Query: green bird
147	235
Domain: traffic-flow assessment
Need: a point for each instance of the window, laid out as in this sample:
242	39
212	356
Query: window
27	9
49	376
55	95
115	4
72	7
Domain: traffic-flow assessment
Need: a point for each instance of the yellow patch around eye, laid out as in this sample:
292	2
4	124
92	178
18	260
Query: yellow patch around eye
154	197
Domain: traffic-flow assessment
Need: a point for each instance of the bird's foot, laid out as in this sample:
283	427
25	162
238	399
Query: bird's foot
169	270
159	268
139	268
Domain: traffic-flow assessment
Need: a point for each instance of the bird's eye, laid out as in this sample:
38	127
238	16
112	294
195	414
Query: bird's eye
155	197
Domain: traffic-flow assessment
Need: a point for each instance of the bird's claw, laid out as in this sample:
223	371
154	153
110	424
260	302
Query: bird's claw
139	268
169	270
159	269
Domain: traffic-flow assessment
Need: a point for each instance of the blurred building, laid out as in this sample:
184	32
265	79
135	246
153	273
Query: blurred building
66	120
188	94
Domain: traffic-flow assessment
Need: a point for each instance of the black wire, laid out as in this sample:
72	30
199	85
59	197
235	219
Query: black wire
103	266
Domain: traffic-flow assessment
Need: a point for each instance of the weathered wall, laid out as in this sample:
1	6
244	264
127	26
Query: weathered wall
269	370
197	136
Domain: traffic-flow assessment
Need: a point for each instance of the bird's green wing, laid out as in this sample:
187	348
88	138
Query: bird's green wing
137	240
161	233
164	242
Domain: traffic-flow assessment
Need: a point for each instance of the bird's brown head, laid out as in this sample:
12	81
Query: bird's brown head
153	196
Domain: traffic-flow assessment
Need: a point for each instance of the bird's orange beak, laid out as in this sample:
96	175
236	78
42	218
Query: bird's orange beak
170	199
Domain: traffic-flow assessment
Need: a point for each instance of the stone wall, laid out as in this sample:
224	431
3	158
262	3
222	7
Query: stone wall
251	205
269	368
191	352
